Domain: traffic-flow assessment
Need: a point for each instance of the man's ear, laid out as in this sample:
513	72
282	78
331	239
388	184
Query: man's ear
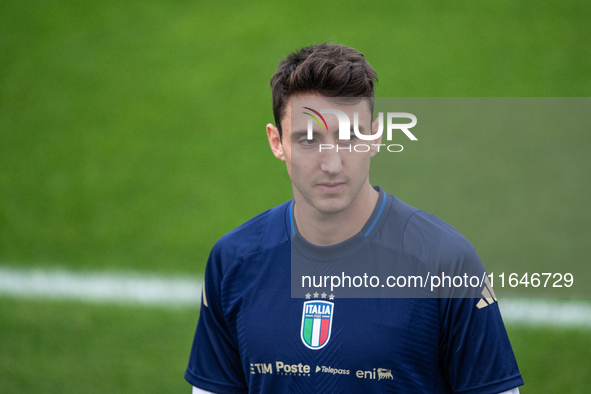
375	143
275	142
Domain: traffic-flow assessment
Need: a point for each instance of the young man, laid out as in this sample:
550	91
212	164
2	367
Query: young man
253	337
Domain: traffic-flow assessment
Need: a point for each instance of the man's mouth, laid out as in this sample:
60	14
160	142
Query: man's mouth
331	187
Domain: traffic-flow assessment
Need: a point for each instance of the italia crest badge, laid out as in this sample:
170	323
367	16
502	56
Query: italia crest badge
316	323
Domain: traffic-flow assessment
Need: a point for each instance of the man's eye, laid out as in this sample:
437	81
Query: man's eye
307	141
351	139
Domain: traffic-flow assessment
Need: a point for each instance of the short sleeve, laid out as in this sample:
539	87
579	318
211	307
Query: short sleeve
475	350
214	363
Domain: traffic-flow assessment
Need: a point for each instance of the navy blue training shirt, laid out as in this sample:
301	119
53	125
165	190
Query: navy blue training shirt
253	337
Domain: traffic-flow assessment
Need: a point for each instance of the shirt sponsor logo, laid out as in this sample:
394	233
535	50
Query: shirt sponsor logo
261	368
332	371
488	295
292	369
316	323
382	373
281	368
385	374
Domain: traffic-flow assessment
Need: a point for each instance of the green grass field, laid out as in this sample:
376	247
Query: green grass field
132	138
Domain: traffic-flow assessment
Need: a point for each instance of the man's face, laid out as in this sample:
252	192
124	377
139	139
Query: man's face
327	179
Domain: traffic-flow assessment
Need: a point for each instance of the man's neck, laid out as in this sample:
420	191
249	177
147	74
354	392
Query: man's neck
329	229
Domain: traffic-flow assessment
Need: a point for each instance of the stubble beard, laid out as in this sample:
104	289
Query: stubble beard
330	204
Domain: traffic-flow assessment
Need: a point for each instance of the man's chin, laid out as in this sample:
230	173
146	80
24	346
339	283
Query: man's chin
331	205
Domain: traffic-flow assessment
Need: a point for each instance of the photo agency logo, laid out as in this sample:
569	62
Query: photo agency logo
345	129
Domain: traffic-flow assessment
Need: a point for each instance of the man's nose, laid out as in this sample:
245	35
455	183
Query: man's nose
331	161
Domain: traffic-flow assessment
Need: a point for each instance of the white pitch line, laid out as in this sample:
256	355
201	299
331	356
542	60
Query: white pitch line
169	291
540	312
100	287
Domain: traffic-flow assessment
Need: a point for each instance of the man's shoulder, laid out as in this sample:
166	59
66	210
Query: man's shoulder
265	230
428	237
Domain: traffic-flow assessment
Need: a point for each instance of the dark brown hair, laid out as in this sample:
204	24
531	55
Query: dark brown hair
332	70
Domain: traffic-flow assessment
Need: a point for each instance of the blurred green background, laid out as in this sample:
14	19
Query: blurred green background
132	138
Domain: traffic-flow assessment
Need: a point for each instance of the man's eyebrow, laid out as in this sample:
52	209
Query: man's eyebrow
300	133
360	128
